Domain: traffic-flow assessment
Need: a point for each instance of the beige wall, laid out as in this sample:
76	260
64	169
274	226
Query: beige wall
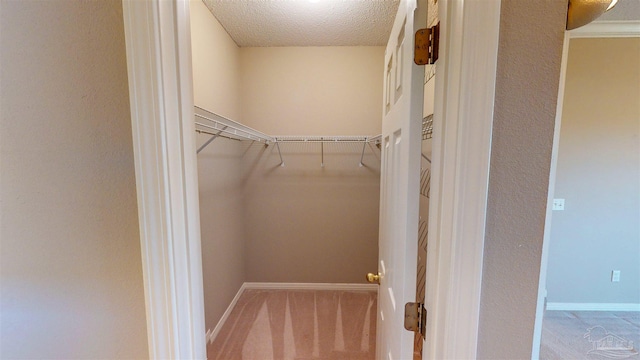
72	284
216	64
598	175
313	90
529	57
216	79
307	223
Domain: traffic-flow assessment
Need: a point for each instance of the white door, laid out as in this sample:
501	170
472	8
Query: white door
400	182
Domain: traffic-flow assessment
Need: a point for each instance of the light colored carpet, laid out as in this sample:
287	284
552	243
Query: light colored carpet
299	325
604	335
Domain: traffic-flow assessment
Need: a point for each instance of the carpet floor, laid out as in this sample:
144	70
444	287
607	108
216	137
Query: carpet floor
341	325
299	325
570	335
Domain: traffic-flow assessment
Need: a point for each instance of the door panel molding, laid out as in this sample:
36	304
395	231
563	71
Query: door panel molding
400	182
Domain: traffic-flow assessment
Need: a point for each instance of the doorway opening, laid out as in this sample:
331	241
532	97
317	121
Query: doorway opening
302	209
594	236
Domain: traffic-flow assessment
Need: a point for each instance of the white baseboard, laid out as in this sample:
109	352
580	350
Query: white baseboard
285	286
593	306
310	286
225	315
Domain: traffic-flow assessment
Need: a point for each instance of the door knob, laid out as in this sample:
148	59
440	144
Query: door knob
373	278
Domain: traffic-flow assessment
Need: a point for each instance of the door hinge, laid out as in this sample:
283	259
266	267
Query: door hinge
427	45
415	317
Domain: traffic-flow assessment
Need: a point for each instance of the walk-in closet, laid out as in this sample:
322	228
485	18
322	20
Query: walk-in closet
288	168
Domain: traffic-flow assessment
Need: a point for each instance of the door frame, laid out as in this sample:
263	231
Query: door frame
158	43
597	29
462	126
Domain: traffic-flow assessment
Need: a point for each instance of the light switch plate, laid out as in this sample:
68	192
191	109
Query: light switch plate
615	276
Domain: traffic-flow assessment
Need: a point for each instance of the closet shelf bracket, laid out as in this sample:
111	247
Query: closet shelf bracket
280	153
213	137
364	146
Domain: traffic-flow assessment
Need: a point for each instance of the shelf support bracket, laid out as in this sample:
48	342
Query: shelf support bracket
279	153
321	152
213	137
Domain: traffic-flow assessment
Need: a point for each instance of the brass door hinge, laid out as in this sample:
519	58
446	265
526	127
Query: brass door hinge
427	45
415	317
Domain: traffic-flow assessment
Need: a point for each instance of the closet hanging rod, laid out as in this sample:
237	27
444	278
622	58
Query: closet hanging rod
325	139
322	140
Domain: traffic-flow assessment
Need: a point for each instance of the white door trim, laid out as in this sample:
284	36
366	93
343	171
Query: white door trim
603	29
159	63
464	102
465	89
158	42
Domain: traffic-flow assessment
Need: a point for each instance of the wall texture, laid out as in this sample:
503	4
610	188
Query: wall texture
216	64
72	284
598	175
313	90
624	10
528	73
307	223
216	80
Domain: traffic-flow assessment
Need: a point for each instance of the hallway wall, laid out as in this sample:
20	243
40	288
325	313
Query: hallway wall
528	74
71	269
598	175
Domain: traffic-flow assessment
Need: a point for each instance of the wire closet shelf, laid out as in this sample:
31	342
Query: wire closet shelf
210	123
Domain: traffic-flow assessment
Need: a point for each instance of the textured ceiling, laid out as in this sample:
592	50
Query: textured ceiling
254	23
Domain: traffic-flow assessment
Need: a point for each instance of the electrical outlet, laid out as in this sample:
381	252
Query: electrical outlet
558	204
615	276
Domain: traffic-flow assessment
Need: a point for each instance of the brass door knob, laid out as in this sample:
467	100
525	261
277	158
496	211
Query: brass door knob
373	278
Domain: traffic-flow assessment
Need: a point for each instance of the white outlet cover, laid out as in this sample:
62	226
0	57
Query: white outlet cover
558	204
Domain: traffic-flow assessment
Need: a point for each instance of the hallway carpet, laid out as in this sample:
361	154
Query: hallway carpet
299	325
590	335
